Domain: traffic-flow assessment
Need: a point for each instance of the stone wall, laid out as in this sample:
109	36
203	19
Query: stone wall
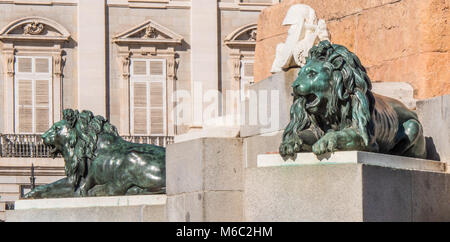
396	40
16	172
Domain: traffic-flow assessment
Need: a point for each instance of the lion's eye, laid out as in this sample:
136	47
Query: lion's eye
312	74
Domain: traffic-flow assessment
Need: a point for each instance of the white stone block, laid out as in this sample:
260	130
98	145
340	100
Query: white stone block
87	202
208	164
267	108
210	206
260	144
434	114
205	179
150	208
353	157
345	192
209	132
401	91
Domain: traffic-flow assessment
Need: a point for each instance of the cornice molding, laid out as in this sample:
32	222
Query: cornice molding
151	4
41	2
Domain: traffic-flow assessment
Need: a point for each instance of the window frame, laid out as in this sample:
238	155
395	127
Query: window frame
243	91
147	79
33	76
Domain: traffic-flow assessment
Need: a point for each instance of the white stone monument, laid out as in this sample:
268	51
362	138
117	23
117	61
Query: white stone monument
305	31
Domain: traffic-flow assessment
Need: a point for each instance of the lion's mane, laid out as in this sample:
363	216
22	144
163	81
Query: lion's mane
83	135
352	103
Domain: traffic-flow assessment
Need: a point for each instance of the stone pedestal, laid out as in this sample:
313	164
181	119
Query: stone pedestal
434	114
150	208
205	180
359	189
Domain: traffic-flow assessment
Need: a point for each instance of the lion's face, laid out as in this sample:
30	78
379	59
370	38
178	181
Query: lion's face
57	136
314	83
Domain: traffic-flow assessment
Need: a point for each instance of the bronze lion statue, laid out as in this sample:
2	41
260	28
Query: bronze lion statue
98	162
334	109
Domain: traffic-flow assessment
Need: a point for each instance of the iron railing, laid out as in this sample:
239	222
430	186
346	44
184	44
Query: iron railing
23	145
151	140
31	145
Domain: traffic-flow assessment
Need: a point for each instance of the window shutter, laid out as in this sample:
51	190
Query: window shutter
140	108
25	92
157	108
42	105
156	68
25	65
148	93
42	65
139	67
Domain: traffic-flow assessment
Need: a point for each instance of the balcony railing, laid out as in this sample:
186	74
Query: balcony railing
151	140
31	145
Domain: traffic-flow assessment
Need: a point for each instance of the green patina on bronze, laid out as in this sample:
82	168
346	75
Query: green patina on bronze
334	109
98	162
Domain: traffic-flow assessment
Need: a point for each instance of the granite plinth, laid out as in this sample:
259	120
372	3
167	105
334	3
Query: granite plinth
354	186
151	208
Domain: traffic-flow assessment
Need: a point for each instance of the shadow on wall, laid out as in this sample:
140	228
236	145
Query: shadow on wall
432	153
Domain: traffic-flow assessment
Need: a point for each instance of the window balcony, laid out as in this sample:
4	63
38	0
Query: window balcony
32	145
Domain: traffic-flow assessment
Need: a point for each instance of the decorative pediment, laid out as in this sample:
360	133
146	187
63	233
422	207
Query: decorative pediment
34	29
243	36
149	32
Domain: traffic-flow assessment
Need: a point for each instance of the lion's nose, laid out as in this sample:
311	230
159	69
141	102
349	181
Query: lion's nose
300	88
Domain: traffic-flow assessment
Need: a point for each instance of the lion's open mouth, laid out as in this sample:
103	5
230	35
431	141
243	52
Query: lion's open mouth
312	100
53	151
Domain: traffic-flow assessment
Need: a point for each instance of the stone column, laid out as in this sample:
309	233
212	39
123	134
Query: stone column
204	54
124	59
58	64
8	85
91	56
205	179
434	114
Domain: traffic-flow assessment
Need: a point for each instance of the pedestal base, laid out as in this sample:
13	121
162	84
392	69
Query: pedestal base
358	190
150	208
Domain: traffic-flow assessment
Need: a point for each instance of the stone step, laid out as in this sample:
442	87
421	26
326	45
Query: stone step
353	157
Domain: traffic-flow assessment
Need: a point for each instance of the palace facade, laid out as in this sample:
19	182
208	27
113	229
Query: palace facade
136	62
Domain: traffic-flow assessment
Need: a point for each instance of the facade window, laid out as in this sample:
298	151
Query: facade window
147	97
33	94
148	61
32	51
241	43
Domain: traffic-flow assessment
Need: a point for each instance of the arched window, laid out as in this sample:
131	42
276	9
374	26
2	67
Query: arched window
242	43
32	56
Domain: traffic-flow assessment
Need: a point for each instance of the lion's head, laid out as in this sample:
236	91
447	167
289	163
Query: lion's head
75	136
58	136
332	91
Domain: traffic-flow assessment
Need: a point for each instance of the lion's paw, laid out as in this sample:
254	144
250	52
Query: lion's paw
36	193
288	150
328	143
